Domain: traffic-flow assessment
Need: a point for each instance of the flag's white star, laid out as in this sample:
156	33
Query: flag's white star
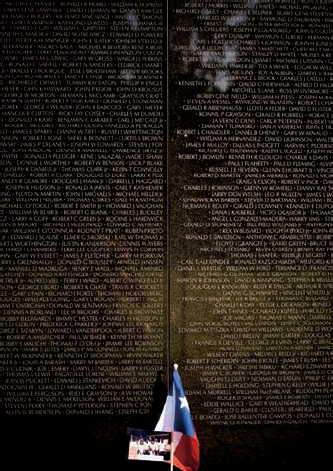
184	403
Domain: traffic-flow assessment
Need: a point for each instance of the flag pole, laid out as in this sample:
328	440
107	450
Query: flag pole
175	367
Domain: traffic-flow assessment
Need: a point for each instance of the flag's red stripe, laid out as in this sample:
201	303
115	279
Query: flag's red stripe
186	455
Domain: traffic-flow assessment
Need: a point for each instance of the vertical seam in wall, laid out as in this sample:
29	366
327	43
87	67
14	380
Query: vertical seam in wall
168	196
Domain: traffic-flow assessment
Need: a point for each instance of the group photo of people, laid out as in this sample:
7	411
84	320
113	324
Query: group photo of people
145	445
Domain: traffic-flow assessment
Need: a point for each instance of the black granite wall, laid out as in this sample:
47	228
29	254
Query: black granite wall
166	176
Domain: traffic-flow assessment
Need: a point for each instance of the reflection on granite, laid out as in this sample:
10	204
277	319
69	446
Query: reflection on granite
133	19
213	60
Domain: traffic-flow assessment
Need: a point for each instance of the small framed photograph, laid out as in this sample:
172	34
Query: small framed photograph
148	445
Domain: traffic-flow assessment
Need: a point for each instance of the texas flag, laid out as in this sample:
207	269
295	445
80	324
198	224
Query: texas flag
176	418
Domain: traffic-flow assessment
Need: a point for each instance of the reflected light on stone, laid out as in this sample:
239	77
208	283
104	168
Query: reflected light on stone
221	82
127	74
236	20
133	20
194	40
